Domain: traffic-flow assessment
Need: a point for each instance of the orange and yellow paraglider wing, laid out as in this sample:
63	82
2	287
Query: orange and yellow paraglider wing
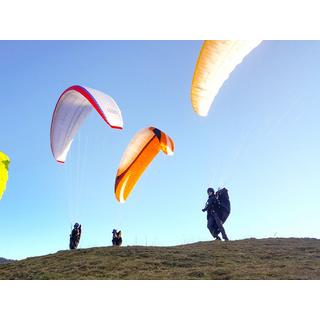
167	144
216	61
128	179
140	152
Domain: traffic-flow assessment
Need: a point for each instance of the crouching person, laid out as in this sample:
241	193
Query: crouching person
116	238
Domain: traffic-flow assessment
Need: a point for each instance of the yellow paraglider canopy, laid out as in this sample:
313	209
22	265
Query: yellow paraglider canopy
217	59
4	167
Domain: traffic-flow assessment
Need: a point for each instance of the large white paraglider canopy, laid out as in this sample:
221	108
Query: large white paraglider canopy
71	110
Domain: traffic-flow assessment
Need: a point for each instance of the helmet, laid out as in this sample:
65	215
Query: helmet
114	231
76	225
210	190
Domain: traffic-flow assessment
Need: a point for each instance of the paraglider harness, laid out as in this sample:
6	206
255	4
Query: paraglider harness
223	204
75	236
116	237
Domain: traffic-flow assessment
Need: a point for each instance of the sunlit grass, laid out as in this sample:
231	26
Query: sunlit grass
274	258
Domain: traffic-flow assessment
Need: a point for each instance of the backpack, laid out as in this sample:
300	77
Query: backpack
224	202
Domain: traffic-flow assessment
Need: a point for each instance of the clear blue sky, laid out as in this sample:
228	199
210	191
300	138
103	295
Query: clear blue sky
260	139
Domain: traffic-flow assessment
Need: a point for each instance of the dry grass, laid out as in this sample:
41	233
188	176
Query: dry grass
274	258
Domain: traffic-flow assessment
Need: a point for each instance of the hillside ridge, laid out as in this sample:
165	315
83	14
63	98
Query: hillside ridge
269	258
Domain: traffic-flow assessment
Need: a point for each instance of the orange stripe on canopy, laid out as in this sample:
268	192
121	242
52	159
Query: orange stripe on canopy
140	152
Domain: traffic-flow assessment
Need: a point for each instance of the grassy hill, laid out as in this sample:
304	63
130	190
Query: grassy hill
273	258
3	260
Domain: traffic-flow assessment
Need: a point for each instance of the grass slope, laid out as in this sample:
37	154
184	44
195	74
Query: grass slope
274	258
3	260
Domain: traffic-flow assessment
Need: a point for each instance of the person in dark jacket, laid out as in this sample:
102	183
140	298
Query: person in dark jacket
75	236
116	238
214	223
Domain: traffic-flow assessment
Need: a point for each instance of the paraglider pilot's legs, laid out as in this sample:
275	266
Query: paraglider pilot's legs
220	226
212	226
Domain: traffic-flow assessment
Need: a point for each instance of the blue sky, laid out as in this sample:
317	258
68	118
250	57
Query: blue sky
259	139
